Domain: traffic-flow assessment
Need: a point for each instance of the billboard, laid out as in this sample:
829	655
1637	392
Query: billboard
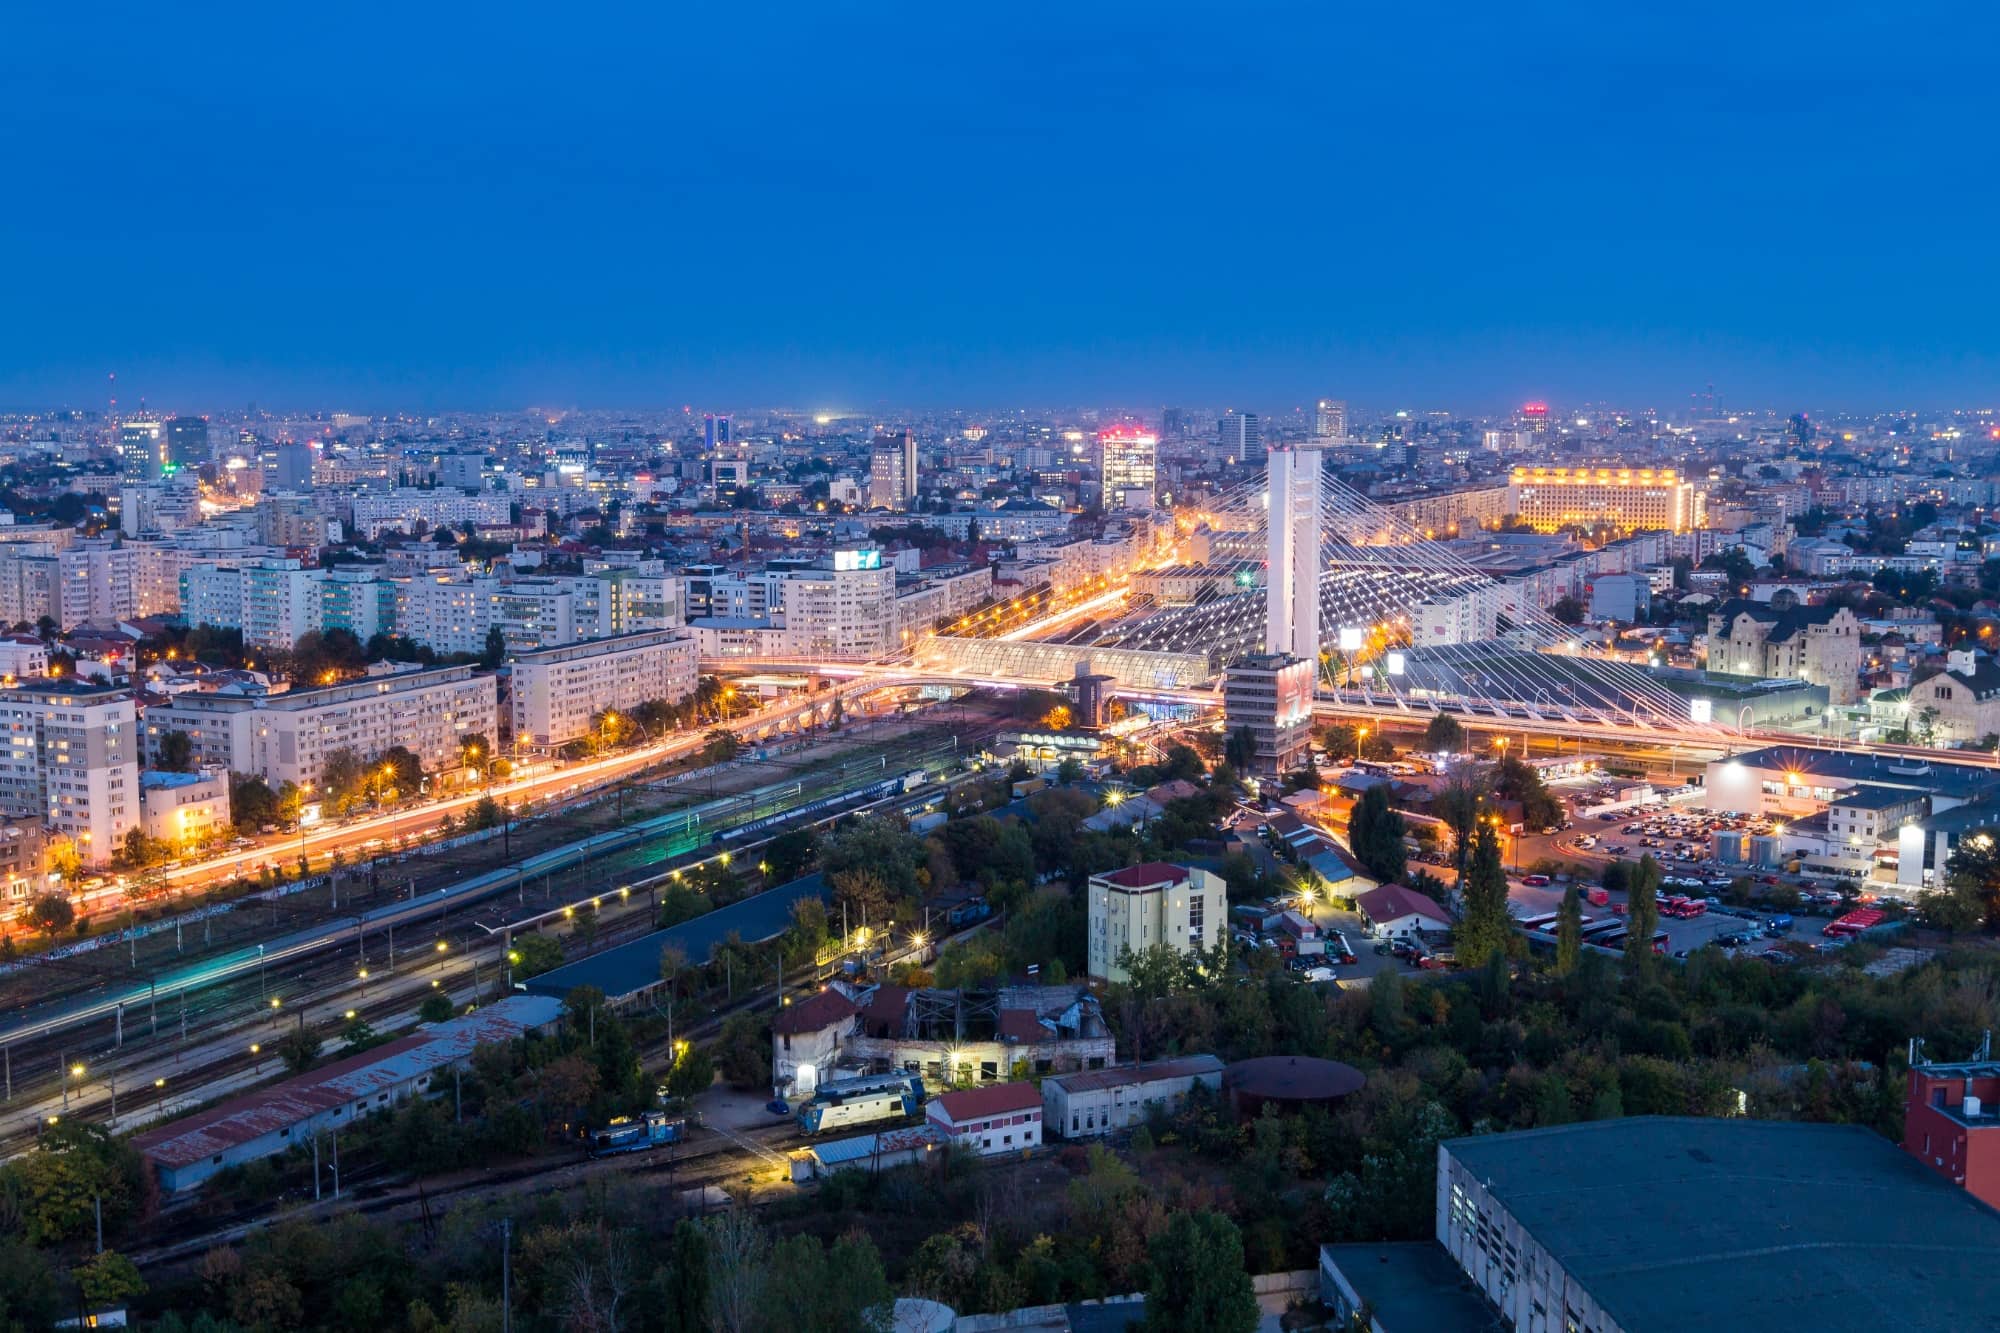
866	559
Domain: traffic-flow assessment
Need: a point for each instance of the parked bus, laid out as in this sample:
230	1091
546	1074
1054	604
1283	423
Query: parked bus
860	1101
1540	921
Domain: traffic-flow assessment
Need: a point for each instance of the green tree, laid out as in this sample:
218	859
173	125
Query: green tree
534	954
1569	610
1376	834
719	746
692	1071
30	1300
1240	750
252	803
1569	931
299	1049
1444	734
1458	803
436	1008
1642	911
1199	1281
495	651
108	1280
745	1046
1971	883
790	854
1484	930
51	914
176	752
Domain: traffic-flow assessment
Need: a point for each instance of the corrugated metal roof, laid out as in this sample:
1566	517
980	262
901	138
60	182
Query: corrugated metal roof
357	1078
842	1151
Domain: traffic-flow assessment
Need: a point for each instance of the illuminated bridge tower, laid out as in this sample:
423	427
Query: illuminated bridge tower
1291	584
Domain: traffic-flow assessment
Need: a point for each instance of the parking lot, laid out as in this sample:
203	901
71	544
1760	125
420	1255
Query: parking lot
1683	933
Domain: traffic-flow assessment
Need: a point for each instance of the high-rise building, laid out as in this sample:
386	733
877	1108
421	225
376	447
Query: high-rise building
1126	467
892	471
1183	908
287	467
187	441
1636	499
1240	437
556	692
1270	695
1330	419
1173	425
141	450
714	432
69	755
1291	580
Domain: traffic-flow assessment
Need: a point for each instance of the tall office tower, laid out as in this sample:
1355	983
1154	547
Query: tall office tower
1291	588
1173	425
1330	419
892	471
714	431
1240	437
1126	468
1535	418
141	445
187	441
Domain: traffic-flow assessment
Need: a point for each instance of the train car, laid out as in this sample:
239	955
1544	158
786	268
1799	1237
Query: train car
859	1101
637	1133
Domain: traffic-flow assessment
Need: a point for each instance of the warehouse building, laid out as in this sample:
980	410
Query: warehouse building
267	1121
1103	1101
1658	1223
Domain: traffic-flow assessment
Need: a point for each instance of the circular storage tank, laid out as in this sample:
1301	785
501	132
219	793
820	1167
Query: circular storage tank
1289	1082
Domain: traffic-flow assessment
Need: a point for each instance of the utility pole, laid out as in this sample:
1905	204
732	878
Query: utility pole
506	1275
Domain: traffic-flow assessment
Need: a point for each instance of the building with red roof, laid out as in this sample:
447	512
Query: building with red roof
998	1118
806	1038
1156	903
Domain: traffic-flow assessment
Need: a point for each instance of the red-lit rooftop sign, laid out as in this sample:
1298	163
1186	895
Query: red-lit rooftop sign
1534	409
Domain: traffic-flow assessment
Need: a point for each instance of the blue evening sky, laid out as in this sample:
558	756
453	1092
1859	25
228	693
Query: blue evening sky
842	204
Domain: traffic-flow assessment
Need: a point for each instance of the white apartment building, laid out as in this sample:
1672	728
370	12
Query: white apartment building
274	601
286	737
185	810
1138	907
22	657
403	508
841	612
71	759
557	691
451	615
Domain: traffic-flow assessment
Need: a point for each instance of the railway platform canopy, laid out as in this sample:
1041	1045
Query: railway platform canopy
630	970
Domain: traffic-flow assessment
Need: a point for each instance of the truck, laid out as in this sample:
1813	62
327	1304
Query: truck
1597	896
1028	787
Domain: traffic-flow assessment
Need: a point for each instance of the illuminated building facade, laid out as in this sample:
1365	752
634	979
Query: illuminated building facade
1553	498
1126	463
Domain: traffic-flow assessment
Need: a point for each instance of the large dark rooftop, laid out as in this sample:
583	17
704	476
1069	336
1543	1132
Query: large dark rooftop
1681	1223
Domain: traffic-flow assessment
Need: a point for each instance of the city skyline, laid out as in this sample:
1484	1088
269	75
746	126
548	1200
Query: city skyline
1207	206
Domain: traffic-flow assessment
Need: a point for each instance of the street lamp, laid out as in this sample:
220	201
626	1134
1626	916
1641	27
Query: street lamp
76	1072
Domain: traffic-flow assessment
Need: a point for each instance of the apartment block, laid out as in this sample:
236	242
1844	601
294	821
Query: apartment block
556	691
71	758
1182	907
287	737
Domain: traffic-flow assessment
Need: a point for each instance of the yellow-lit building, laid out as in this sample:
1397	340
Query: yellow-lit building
1633	498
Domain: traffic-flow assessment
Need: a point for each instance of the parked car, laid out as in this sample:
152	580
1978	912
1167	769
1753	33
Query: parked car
1535	881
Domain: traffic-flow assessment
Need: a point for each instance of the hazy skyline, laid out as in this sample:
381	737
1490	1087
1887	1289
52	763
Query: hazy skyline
1131	204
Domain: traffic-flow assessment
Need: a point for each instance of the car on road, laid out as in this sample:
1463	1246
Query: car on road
1535	881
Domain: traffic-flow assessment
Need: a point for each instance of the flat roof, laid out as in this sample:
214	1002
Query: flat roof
634	966
1412	1286
1124	1076
1909	773
1830	1227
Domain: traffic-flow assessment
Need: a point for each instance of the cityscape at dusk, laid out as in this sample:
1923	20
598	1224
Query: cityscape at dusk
1251	669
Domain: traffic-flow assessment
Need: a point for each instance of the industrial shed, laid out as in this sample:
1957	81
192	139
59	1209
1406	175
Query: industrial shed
269	1120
